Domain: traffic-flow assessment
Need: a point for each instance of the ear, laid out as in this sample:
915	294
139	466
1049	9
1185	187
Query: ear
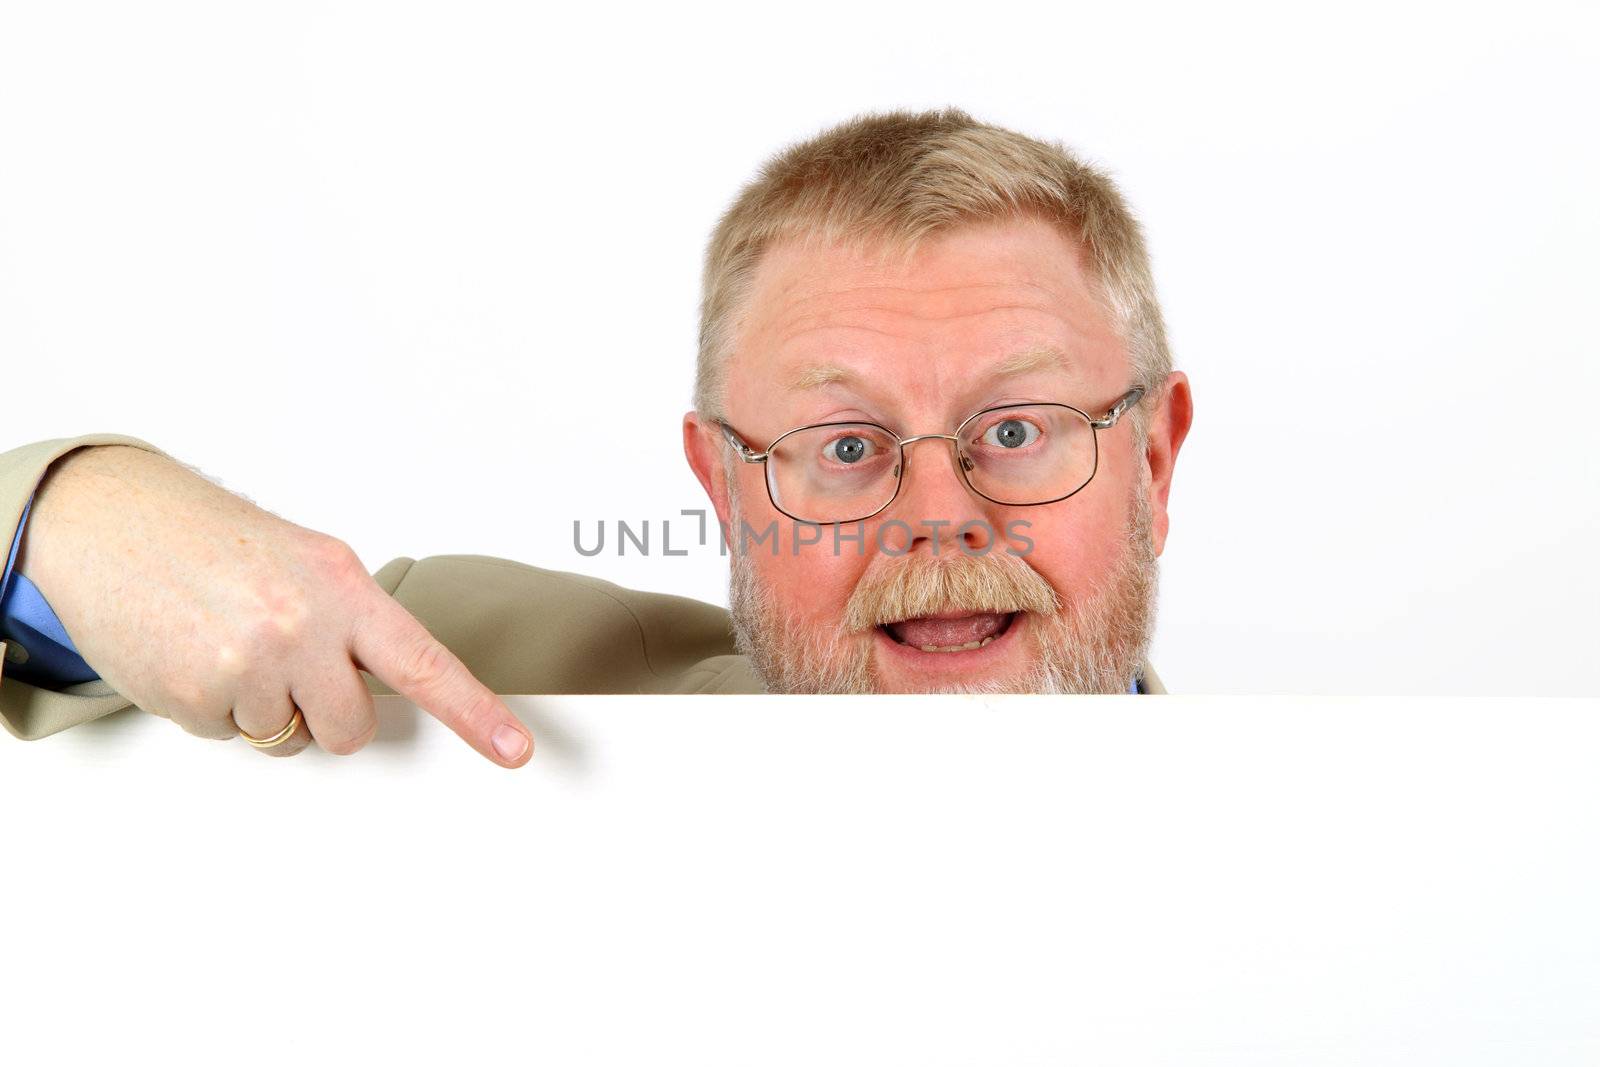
1168	427
703	445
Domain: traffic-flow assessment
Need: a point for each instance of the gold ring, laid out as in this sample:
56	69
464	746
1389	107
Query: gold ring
276	739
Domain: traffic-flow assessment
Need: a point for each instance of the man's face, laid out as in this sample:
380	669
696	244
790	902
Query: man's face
1054	597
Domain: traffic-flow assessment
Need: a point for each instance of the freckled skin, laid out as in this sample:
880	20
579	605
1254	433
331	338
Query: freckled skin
924	338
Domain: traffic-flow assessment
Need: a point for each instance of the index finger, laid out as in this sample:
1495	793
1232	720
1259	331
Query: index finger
392	645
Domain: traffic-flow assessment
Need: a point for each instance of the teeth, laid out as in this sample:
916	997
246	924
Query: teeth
970	645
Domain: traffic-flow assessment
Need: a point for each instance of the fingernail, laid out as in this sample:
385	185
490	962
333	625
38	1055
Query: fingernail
510	742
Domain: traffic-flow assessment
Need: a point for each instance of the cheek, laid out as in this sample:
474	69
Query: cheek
815	581
1081	538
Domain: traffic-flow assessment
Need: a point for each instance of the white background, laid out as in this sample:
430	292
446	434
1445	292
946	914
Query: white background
393	270
390	269
867	882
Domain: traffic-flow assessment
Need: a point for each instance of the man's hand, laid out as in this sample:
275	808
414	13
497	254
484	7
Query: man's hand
199	606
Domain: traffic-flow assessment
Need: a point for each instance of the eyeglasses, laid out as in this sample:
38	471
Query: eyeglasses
1018	455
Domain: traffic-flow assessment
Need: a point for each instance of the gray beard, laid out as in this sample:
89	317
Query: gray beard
1096	643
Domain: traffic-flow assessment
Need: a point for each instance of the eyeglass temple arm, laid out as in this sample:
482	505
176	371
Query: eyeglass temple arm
746	453
1124	402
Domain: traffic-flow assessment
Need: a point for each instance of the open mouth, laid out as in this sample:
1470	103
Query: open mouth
954	632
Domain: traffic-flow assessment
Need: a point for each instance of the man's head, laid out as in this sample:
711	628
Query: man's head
916	273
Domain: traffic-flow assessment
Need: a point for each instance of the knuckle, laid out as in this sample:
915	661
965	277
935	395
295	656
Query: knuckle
278	616
340	747
349	740
480	714
267	634
424	663
260	633
341	730
330	556
209	728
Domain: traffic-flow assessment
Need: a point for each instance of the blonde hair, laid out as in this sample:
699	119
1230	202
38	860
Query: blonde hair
892	179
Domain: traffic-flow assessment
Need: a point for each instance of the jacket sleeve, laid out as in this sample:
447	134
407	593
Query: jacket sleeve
26	710
525	629
38	645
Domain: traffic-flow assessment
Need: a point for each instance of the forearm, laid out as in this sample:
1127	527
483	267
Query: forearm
27	623
88	492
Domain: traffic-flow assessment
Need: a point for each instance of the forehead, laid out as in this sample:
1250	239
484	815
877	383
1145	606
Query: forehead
970	307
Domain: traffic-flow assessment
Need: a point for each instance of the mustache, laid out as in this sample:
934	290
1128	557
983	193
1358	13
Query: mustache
911	586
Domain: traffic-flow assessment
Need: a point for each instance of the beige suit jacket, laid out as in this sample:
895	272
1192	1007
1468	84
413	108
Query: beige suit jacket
518	628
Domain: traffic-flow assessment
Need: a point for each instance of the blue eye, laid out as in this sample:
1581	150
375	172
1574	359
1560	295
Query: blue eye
1011	433
846	449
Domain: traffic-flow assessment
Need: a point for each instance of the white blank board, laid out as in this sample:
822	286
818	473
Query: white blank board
795	880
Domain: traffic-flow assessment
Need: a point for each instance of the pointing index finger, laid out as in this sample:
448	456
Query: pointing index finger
392	645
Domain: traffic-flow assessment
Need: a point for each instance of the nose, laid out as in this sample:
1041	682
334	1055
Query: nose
934	502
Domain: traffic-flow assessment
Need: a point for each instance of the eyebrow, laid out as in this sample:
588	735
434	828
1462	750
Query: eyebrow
816	375
1040	357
